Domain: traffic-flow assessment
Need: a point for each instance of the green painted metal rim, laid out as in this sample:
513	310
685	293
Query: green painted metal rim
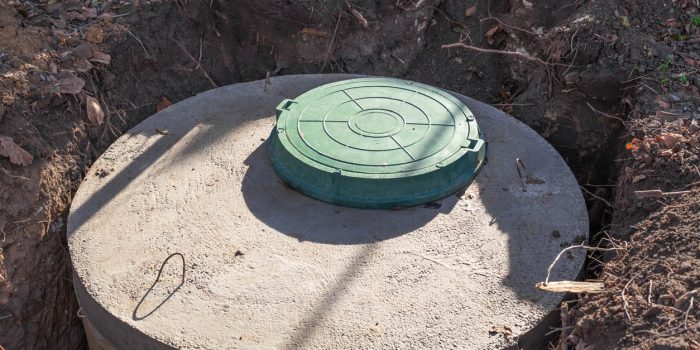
376	143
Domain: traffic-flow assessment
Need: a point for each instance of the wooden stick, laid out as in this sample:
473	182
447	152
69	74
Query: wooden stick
581	246
606	115
659	194
564	324
198	63
624	299
502	52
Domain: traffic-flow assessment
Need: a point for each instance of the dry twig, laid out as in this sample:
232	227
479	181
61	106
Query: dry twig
579	246
330	45
19	177
607	115
197	62
598	197
659	194
359	17
564	324
502	52
140	42
624	299
508	25
685	318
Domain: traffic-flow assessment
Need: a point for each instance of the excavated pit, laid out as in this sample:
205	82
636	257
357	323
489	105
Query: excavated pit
238	41
263	266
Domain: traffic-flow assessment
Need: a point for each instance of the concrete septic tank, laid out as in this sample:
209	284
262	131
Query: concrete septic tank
183	236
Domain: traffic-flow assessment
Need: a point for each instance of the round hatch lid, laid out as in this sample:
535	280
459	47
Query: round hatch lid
376	143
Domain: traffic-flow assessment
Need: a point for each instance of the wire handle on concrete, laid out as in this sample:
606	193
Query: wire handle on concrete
135	315
160	271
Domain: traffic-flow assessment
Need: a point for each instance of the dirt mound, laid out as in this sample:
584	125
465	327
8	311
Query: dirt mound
653	286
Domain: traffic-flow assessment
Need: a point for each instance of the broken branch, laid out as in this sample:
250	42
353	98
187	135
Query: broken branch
359	17
579	246
659	194
606	115
198	63
502	52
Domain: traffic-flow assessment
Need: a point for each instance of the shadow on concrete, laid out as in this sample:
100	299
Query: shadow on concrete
306	219
311	322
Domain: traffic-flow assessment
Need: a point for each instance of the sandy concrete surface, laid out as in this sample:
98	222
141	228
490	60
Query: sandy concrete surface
268	268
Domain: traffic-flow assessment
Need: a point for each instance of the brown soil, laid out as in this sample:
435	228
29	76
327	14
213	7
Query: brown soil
616	81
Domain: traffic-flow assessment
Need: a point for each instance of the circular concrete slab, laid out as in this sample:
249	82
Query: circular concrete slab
269	268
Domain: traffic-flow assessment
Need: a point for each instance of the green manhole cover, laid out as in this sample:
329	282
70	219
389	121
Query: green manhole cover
376	143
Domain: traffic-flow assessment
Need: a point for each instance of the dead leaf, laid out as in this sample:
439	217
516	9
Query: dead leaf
492	32
653	311
471	11
101	57
90	12
94	111
95	35
693	127
457	27
73	16
82	65
667	116
571	287
582	345
638	178
633	145
666	153
625	21
53	68
163	132
71	85
17	154
84	50
163	104
58	23
359	17
668	139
